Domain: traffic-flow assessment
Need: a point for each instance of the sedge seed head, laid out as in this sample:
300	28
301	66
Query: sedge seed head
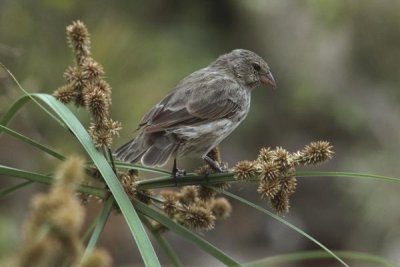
268	189
188	195
65	94
91	70
315	153
79	40
244	170
221	208
196	217
282	158
265	155
280	203
269	170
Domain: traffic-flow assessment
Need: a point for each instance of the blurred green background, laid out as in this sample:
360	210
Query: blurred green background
337	65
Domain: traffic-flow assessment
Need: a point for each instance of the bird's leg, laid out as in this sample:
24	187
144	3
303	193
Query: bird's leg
177	172
213	164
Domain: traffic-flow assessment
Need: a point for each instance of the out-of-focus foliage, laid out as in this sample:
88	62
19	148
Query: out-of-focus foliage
336	63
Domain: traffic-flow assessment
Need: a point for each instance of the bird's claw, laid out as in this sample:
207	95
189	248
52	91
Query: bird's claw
178	173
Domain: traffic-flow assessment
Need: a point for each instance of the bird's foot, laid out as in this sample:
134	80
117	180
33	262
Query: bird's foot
177	173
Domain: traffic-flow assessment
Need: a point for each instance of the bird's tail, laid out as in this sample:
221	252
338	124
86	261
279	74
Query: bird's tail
151	150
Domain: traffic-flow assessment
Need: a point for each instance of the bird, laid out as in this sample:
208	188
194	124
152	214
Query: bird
199	112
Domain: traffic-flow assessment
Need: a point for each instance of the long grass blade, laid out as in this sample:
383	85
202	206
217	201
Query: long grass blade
347	174
142	240
101	222
44	179
14	110
11	189
295	257
30	96
276	217
187	234
32	142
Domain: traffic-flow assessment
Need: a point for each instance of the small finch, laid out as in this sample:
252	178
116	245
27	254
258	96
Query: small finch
203	109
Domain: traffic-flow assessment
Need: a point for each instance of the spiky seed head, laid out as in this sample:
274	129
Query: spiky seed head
265	155
269	170
75	78
197	217
91	70
244	170
268	189
105	88
280	203
205	193
79	40
170	204
289	182
70	172
221	208
315	153
101	137
95	101
65	94
113	127
188	195
282	158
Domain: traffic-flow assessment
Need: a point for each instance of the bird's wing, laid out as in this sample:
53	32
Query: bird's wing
200	103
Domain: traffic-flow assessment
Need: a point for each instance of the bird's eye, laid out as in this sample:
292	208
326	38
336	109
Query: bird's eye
256	67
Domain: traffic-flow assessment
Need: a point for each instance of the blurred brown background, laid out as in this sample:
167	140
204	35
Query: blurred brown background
336	63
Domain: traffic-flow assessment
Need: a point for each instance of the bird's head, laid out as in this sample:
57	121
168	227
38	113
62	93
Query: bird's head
249	68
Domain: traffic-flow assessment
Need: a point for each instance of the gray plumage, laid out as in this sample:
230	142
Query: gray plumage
203	109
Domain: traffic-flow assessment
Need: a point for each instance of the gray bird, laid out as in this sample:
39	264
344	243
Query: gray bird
203	109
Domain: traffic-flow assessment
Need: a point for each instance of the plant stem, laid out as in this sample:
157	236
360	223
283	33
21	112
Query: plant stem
112	160
217	178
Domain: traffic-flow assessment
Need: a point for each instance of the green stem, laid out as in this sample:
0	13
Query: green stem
44	179
110	155
318	254
32	142
10	189
194	179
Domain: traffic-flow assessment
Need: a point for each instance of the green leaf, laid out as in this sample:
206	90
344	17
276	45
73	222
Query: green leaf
295	257
10	189
347	174
32	142
101	222
276	217
124	165
187	234
21	102
142	240
44	179
14	110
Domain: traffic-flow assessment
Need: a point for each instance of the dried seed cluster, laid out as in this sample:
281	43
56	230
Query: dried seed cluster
87	88
51	233
129	181
275	169
188	209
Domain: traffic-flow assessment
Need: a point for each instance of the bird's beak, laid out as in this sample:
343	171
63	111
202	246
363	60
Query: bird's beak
268	80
